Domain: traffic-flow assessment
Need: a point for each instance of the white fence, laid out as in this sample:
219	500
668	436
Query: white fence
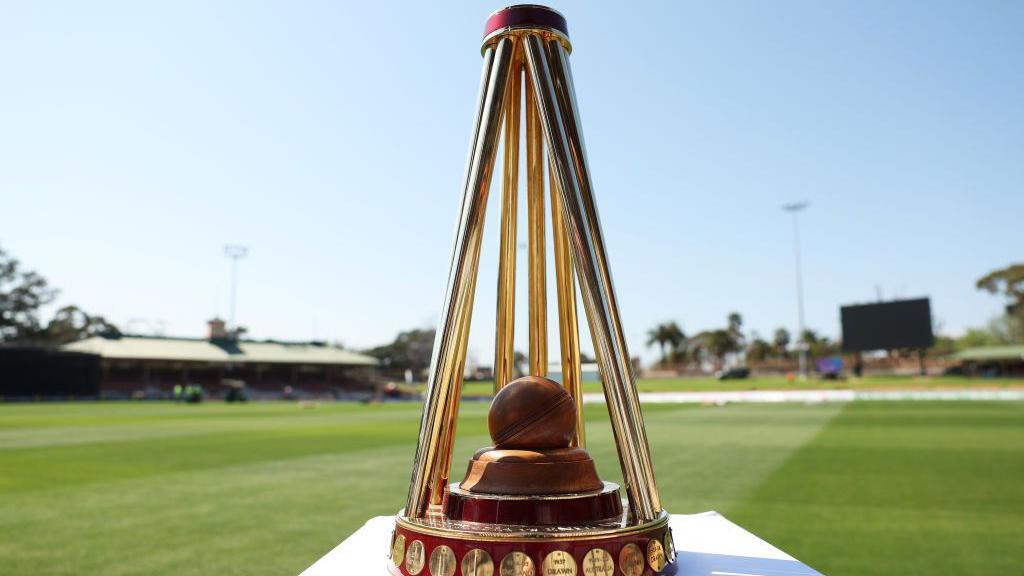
815	396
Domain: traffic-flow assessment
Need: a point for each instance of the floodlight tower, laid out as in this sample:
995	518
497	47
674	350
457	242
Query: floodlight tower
795	208
235	253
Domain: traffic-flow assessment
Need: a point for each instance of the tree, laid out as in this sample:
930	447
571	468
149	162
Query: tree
71	323
696	347
676	339
780	342
1007	329
735	325
1000	331
520	363
944	346
759	349
22	293
670	335
975	337
1009	281
818	345
410	350
720	343
657	336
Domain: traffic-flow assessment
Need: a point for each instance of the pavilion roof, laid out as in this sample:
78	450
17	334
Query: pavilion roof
991	353
218	351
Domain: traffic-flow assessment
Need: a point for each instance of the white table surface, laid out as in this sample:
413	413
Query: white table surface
707	544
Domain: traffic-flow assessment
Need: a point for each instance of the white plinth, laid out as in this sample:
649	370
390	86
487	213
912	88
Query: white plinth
707	545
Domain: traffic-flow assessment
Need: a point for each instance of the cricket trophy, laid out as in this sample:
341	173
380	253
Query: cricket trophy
532	503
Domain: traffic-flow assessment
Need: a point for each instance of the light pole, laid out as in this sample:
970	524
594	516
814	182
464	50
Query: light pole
235	253
795	209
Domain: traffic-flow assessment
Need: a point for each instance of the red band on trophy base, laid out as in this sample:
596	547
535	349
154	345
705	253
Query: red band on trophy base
526	16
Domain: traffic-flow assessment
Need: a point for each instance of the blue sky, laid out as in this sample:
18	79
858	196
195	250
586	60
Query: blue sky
136	139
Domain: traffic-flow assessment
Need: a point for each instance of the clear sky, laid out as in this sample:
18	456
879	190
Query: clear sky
138	138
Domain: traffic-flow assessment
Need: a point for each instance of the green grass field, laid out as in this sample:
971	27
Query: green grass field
266	488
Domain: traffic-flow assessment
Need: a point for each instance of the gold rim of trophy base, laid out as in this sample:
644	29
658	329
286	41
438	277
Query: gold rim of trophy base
436	526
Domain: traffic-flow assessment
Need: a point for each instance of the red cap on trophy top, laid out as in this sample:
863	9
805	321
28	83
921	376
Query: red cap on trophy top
526	16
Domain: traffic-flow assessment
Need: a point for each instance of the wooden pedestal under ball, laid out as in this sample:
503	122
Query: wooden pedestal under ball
531	503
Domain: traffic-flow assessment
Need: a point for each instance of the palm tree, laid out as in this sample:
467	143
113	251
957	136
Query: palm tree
666	334
676	339
519	363
735	322
658	335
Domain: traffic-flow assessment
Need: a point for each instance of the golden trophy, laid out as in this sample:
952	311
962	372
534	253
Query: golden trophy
532	503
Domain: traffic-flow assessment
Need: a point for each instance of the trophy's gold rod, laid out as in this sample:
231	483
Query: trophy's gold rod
557	107
632	413
442	470
568	325
537	281
444	382
504	337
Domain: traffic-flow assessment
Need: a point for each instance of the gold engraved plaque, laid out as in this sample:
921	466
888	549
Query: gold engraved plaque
516	564
631	560
398	549
670	547
656	555
598	562
477	562
558	563
442	561
414	558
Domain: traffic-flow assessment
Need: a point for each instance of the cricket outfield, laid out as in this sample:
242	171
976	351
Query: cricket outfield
266	488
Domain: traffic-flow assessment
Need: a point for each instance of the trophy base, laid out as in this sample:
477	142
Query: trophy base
438	546
708	544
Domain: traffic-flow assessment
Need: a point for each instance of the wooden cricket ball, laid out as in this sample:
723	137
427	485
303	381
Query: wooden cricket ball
532	413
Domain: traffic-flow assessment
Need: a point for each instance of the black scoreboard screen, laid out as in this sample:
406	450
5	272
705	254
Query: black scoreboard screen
887	325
